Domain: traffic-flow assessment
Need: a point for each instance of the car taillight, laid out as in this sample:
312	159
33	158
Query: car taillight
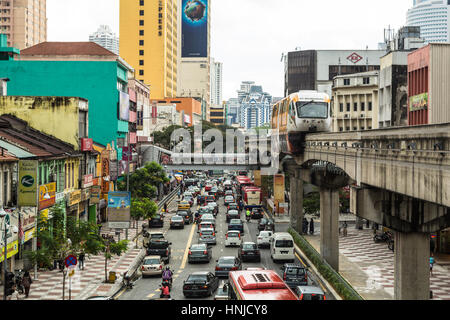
324	298
226	236
167	252
205	287
200	234
239	236
190	252
301	297
218	268
284	276
160	267
234	268
214	234
205	252
142	268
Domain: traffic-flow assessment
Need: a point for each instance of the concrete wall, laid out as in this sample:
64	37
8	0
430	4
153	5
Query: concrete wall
440	83
55	116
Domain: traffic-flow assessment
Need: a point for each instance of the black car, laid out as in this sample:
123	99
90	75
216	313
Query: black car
257	213
263	223
200	284
159	247
187	216
236	224
249	251
177	222
233	206
233	214
156	222
294	275
199	253
226	264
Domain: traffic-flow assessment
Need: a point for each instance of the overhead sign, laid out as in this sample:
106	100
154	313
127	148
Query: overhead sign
194	28
88	180
47	191
27	191
87	144
12	249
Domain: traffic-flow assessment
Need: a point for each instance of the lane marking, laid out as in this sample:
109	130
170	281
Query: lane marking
151	295
121	293
188	245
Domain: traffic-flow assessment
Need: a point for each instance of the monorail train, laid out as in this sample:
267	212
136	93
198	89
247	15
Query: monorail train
298	114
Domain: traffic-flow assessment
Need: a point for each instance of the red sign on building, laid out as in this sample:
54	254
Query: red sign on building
354	57
87	144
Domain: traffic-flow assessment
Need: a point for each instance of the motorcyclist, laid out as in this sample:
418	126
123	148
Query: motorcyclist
197	217
167	275
248	215
165	291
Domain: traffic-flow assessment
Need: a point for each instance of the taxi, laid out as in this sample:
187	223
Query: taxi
184	205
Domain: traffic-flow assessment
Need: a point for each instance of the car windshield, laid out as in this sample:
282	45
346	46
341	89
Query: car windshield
249	246
235	221
226	261
177	218
207	232
295	271
151	261
312	110
157	236
264	234
263	221
233	212
229	198
158	244
233	235
197	278
182	213
284	244
198	247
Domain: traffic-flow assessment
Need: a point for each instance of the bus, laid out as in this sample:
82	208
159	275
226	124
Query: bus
243	182
258	285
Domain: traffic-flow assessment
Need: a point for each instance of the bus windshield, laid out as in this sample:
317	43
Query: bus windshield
312	110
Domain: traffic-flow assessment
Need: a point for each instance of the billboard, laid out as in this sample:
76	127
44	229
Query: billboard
124	106
119	205
194	29
27	193
47	195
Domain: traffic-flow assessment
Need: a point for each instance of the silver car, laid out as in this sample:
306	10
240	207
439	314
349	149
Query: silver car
207	236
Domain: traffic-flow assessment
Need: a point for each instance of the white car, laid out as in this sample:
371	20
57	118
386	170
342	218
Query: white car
233	239
152	266
263	239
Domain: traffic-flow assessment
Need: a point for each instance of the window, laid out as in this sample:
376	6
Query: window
346	82
5	188
141	32
141	62
141	42
370	128
141	2
141	72
347	128
366	80
141	22
363	128
312	110
355	106
348	107
65	180
355	129
370	106
341	129
341	107
73	175
141	52
141	12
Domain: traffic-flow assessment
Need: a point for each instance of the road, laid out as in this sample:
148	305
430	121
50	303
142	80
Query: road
148	288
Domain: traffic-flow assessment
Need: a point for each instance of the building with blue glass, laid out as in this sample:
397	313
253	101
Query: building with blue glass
433	18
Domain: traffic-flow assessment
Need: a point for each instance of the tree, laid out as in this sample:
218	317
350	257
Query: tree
110	248
143	209
144	182
162	138
311	203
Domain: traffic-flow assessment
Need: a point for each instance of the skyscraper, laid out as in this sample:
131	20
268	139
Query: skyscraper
149	42
433	18
255	106
216	83
24	22
106	38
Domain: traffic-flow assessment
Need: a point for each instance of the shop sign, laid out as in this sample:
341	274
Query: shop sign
12	249
105	172
59	197
74	198
27	183
28	217
113	170
419	102
45	214
87	144
47	190
29	235
88	180
95	194
85	194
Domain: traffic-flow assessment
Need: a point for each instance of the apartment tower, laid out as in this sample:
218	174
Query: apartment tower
148	42
24	22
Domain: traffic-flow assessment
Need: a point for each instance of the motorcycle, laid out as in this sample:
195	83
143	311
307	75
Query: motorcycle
384	237
18	280
162	296
127	283
248	218
391	245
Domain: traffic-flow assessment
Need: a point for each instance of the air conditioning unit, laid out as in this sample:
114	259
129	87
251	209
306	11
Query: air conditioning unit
346	116
362	115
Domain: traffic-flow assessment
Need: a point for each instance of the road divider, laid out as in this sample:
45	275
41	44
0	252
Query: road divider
188	245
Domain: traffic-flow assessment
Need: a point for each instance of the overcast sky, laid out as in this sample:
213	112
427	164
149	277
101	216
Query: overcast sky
249	36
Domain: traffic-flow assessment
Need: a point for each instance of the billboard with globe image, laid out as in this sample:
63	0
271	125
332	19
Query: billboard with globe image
195	28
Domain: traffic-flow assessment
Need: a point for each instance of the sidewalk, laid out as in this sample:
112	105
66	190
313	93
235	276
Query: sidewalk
88	282
369	266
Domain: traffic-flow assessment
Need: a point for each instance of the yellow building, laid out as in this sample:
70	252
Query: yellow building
148	41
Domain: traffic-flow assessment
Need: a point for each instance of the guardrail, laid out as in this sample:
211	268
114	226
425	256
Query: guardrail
169	198
342	287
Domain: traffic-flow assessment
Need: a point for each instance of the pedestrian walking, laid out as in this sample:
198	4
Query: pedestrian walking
15	295
432	262
311	226
81	260
305	226
165	207
26	283
344	228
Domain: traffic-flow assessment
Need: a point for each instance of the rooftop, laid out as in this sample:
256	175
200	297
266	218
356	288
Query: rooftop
67	49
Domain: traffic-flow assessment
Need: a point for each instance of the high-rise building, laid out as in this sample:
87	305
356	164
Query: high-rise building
433	18
24	22
194	65
216	83
149	42
106	38
233	112
255	106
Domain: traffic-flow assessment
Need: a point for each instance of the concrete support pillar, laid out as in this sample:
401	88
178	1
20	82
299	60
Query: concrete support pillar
411	266
296	203
329	226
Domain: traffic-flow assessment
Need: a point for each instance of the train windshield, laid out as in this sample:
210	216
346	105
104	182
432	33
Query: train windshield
312	109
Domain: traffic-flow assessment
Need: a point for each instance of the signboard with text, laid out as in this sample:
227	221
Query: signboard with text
119	205
27	184
87	144
47	191
419	102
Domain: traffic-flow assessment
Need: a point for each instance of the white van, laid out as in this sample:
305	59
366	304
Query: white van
282	247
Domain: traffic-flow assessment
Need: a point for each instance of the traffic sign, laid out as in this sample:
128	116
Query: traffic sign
71	271
71	261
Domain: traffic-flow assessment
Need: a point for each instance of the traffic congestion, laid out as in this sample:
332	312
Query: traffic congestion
217	242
